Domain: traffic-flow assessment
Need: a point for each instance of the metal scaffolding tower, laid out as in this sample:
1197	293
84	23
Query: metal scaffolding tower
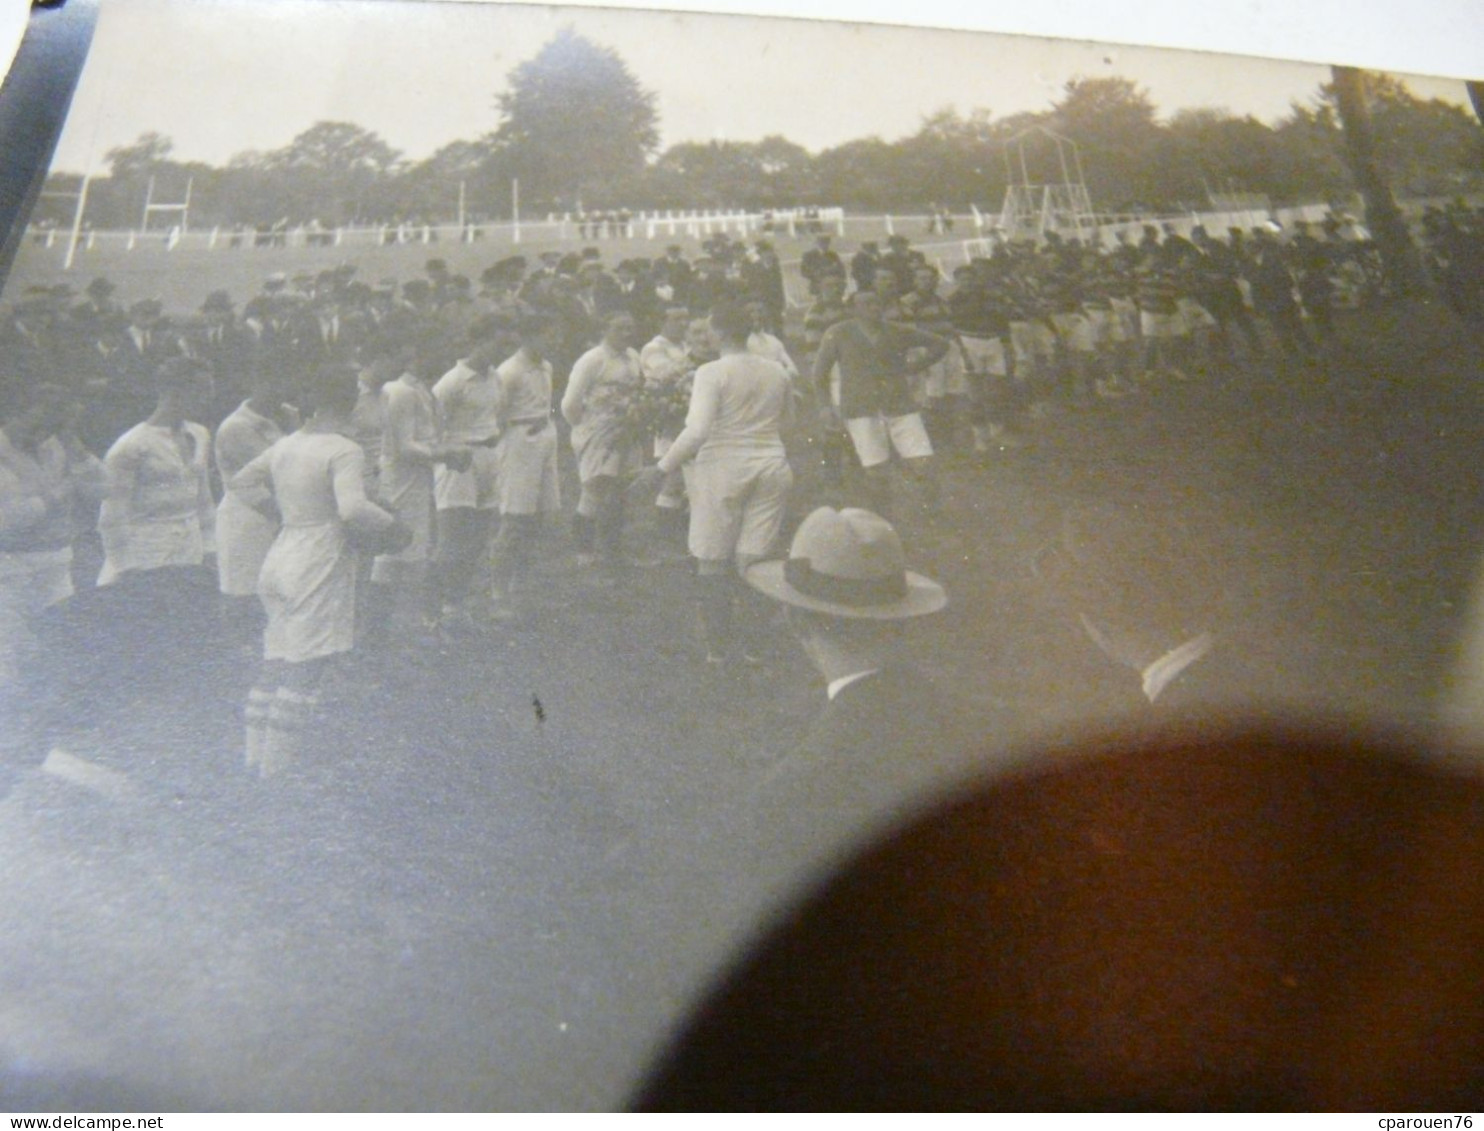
1034	206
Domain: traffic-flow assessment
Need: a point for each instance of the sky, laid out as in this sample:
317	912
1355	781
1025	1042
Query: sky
222	76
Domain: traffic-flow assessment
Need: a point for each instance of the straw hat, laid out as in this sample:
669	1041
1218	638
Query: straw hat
848	563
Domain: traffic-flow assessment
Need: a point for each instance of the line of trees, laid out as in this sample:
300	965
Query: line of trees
579	131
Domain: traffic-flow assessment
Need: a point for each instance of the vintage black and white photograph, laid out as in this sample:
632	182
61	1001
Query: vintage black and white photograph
562	558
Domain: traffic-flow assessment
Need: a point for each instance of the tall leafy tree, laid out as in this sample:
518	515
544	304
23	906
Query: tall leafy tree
1114	124
1207	152
772	173
575	118
1398	253
863	173
141	157
334	171
1308	158
430	187
951	160
338	148
1424	147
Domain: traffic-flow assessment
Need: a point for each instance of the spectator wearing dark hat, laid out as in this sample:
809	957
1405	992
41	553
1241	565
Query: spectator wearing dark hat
418	294
310	333
819	261
638	297
503	293
559	297
457	312
762	281
77	340
539	280
440	278
404	316
493	280
902	260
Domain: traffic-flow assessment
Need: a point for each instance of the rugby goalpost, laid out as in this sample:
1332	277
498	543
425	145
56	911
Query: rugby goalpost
180	208
81	197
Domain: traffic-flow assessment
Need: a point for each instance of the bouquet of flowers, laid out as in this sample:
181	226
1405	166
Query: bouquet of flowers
654	409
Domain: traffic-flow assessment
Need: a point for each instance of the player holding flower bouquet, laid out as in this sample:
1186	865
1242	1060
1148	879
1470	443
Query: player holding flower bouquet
596	406
655	413
669	363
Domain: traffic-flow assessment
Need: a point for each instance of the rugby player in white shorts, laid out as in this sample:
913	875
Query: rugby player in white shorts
526	457
877	360
468	398
740	478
